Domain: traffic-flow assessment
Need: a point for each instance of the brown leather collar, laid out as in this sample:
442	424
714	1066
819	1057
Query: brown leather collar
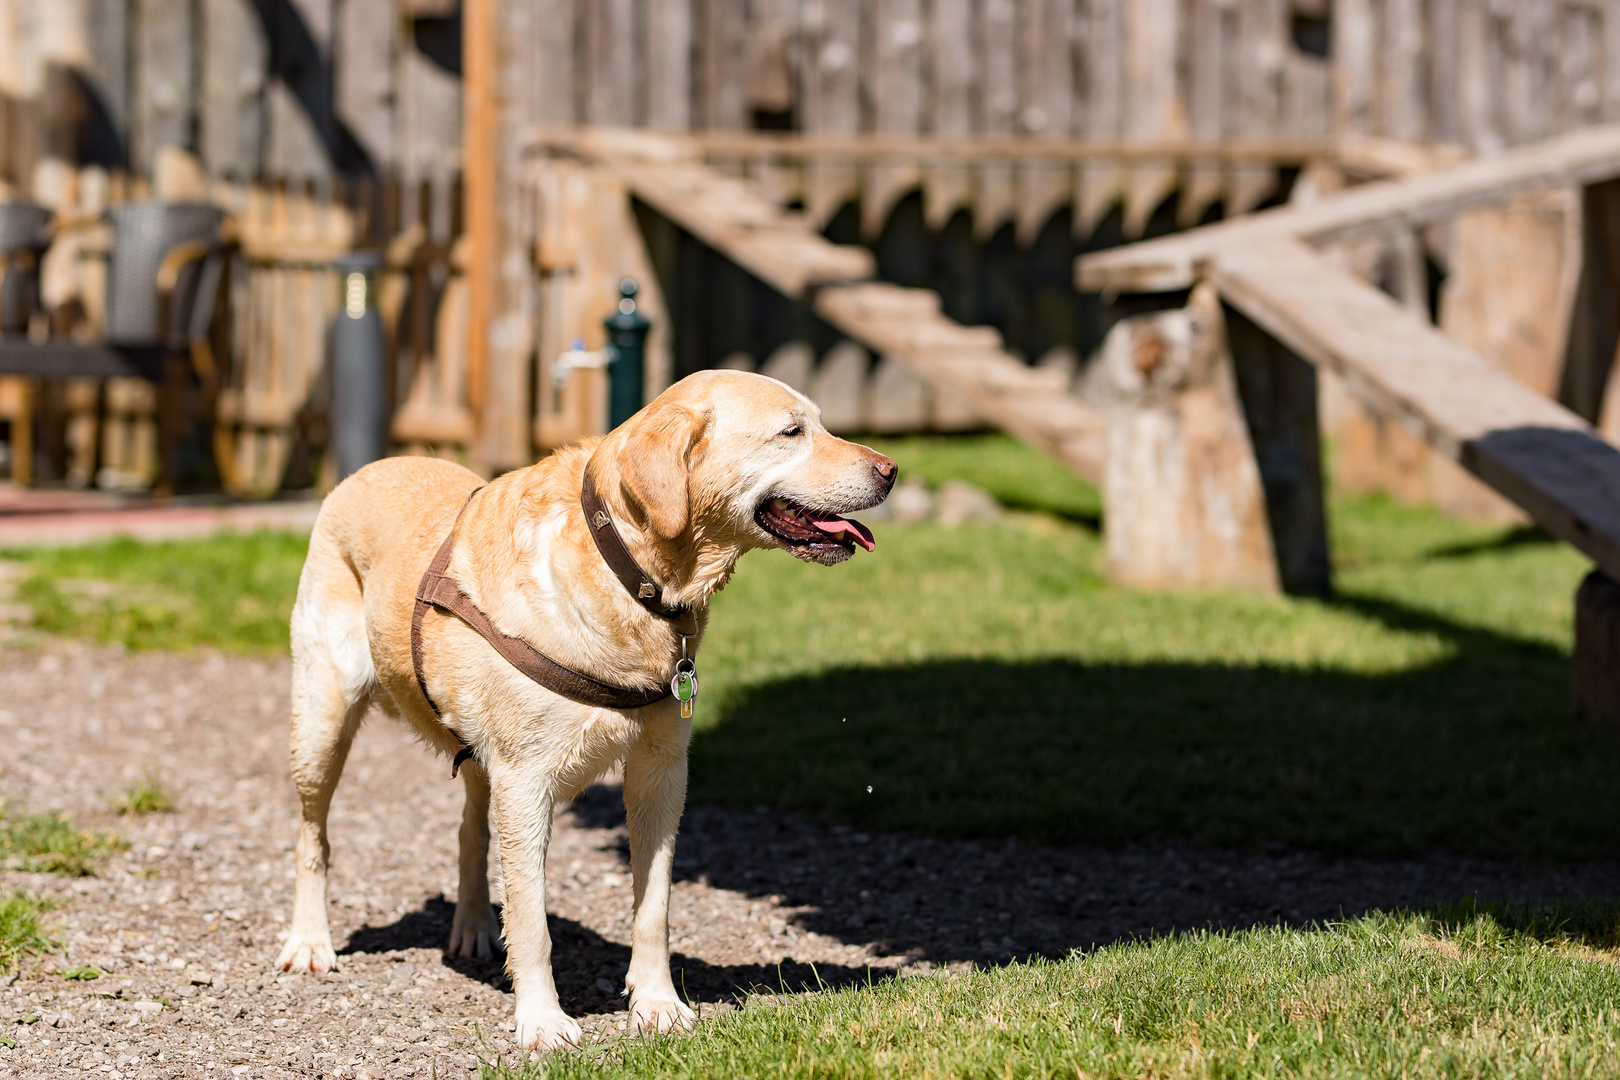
636	581
437	590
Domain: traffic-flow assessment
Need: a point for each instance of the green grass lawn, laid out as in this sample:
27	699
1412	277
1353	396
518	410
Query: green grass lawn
986	681
1458	993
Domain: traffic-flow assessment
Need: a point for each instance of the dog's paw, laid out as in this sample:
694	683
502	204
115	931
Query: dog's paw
477	936
549	1029
307	954
660	1014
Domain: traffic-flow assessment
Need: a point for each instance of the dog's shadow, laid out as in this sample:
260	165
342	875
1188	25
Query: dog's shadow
589	969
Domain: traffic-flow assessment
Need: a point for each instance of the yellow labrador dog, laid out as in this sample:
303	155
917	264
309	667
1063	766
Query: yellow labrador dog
721	463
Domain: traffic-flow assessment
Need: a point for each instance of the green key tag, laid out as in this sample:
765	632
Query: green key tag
685	686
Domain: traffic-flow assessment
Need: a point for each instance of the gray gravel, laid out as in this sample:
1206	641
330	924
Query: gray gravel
185	924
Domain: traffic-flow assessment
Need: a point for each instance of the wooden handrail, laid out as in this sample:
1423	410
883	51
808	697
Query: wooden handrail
1173	262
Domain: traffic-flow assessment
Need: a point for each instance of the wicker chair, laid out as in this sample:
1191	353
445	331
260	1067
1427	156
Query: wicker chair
164	274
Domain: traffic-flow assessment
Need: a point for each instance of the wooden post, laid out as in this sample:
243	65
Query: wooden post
1594	329
1597	650
1508	296
1278	390
500	320
1185	507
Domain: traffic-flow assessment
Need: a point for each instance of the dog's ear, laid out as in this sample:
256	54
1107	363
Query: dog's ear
654	465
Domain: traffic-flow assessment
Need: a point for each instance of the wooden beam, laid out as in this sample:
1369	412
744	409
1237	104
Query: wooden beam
862	148
1586	156
1534	451
480	180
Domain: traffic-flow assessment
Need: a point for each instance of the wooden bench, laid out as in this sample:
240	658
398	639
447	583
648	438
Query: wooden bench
1543	457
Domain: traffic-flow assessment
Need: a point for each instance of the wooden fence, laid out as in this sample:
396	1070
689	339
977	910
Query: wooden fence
313	88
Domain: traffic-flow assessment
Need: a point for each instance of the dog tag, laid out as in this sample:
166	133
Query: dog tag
685	686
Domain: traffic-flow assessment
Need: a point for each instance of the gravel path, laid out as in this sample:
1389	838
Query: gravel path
185	923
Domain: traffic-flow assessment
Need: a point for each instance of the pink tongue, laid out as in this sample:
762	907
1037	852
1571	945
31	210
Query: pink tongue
837	526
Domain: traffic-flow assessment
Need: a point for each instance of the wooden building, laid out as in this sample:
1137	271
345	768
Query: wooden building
977	146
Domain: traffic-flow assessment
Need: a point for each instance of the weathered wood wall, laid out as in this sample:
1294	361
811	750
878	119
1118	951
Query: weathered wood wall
306	88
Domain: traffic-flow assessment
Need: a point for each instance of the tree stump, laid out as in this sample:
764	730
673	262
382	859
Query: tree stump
1185	504
1597	650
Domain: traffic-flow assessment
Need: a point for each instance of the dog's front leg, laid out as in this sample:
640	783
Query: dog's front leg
522	801
654	795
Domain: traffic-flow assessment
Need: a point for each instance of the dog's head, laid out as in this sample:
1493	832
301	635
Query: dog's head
738	459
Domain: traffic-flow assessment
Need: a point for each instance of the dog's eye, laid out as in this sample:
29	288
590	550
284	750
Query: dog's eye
793	432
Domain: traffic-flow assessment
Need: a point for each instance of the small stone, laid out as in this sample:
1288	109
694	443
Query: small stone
961	502
202	978
910	502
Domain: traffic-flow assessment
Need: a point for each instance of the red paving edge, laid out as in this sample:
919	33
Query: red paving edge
60	518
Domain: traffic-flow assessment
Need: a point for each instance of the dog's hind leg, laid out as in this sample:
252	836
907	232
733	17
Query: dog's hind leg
475	931
332	683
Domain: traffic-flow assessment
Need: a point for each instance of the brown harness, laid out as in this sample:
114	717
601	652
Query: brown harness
438	590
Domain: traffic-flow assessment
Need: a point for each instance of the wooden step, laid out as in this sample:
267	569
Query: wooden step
906	325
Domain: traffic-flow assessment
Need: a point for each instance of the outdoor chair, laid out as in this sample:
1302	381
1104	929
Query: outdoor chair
25	233
164	273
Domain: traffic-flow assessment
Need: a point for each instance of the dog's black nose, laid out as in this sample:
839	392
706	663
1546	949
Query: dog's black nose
886	469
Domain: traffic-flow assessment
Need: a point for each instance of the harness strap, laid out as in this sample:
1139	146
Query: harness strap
437	590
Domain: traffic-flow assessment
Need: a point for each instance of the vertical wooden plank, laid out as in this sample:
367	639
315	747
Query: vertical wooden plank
235	64
1582	92
1609	51
366	43
553	46
481	173
669	65
1048	110
1401	72
894	77
831	33
1477	75
299	101
996	198
164	94
1153	111
1355	66
769	90
952	85
1262	27
1102	88
504	437
610	62
1521	79
1444	44
430	105
1209	29
106	69
724	50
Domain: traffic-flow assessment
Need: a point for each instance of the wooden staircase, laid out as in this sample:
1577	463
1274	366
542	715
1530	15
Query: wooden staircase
780	248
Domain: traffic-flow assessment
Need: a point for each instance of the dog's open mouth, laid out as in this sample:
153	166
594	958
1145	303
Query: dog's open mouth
812	534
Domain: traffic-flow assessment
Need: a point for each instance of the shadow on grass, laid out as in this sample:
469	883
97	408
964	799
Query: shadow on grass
1106	802
1522	536
583	961
1475	754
